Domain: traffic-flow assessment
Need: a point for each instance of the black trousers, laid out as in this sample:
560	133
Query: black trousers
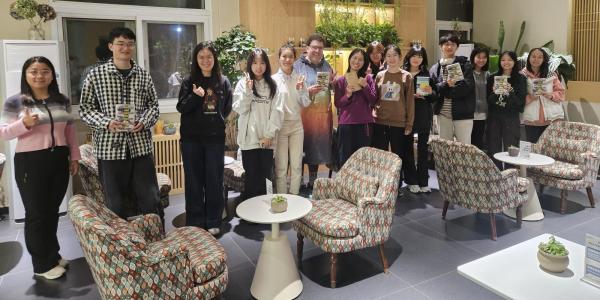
533	133
203	166
386	137
478	134
42	178
352	138
258	164
422	156
502	131
130	180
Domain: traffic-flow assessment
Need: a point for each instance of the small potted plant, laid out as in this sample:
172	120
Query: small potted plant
169	129
513	151
278	204
553	256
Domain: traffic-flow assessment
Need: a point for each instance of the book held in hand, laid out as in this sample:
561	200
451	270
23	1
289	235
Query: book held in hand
422	85
323	79
352	80
501	85
455	72
125	113
540	86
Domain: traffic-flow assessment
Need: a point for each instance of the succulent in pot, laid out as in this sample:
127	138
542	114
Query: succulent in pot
278	204
553	256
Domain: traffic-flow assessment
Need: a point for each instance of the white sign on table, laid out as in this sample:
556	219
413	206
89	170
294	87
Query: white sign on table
591	270
524	149
269	184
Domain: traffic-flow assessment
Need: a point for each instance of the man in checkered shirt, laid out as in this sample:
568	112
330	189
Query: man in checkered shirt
113	93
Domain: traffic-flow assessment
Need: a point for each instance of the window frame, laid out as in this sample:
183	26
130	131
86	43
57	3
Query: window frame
140	15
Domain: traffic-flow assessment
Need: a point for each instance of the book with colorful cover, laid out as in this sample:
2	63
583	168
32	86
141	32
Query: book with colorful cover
501	85
125	114
540	86
422	84
455	72
352	80
323	79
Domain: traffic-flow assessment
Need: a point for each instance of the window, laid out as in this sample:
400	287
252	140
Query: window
169	55
198	4
454	10
86	43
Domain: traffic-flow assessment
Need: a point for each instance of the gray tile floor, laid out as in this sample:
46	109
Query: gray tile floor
423	252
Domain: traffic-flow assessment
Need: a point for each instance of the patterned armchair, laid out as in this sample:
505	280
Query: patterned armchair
575	148
134	260
355	209
469	178
88	171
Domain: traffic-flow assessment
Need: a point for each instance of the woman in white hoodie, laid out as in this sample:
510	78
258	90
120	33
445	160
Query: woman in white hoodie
260	107
290	140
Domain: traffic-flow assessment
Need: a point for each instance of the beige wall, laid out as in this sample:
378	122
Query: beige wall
546	20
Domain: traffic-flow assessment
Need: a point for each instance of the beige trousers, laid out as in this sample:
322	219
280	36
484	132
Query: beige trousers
288	152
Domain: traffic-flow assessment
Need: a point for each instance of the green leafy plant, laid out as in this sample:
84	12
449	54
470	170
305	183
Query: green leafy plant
559	63
523	24
278	199
501	34
553	247
233	47
29	9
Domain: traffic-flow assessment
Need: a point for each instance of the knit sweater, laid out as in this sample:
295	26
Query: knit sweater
355	109
55	127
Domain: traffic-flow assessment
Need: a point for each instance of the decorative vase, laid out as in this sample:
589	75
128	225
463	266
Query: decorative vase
553	263
36	32
513	151
279	206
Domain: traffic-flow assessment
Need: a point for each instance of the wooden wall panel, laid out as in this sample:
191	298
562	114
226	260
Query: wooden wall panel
586	39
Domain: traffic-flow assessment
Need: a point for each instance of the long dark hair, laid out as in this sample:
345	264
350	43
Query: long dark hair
475	52
26	89
267	76
416	51
362	72
515	69
375	46
544	68
196	72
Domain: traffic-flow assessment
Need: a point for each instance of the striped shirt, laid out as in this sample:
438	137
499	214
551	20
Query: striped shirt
55	126
104	88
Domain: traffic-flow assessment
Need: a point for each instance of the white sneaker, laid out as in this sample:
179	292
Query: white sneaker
63	263
413	188
53	273
214	231
425	189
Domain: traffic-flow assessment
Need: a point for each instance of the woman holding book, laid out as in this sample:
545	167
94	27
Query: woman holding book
480	61
507	90
394	113
354	95
375	62
260	107
415	62
455	105
545	94
204	103
290	139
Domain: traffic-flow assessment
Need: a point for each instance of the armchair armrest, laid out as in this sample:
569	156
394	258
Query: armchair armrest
148	226
510	179
589	165
324	188
375	218
508	173
173	260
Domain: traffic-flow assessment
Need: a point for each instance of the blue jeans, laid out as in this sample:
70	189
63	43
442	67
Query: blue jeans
203	166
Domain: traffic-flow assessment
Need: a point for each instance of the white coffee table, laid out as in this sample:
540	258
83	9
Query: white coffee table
532	210
514	273
276	275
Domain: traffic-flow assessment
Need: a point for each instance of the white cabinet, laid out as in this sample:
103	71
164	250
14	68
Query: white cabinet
13	53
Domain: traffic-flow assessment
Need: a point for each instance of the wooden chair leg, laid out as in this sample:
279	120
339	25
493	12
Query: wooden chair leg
541	189
384	261
563	201
446	204
493	223
519	215
330	173
299	248
590	196
333	270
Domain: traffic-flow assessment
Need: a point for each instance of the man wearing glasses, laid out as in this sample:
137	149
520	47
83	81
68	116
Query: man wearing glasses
317	117
119	104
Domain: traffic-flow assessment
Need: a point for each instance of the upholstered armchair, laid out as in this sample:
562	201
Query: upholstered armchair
88	171
134	260
469	178
355	209
575	148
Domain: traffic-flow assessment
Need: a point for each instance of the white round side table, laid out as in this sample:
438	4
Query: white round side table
276	275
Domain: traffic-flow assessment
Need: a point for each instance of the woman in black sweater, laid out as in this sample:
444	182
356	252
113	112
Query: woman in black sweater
204	103
505	102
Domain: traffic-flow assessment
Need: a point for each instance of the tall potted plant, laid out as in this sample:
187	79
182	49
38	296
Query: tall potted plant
29	10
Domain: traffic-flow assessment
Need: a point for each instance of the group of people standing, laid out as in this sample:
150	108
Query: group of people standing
285	120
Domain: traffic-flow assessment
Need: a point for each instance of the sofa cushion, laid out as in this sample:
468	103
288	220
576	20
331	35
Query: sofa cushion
560	169
333	217
207	256
123	229
352	185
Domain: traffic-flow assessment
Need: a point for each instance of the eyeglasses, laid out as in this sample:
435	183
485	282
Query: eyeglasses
125	45
316	48
43	73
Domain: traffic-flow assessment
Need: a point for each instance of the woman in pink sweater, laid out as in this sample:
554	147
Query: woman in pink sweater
47	151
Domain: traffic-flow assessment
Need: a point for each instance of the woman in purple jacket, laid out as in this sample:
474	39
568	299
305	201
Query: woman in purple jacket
355	94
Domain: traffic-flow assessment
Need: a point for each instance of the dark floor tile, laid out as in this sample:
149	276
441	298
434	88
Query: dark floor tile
454	286
407	293
577	233
240	280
